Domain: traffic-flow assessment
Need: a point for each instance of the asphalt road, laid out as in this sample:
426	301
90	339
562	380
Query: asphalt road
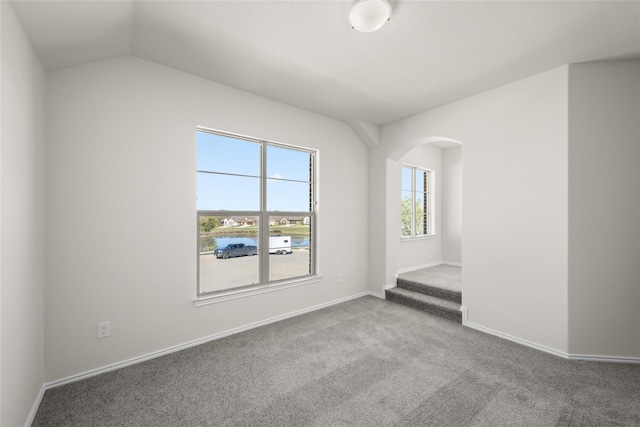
218	274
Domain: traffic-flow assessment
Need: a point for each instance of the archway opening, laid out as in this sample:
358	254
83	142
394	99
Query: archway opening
424	213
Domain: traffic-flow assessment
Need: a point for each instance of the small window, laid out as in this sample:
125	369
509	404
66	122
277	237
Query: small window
416	194
256	219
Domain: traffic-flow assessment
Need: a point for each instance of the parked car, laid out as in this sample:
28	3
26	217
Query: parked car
234	250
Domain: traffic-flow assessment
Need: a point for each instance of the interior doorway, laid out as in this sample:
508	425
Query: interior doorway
443	158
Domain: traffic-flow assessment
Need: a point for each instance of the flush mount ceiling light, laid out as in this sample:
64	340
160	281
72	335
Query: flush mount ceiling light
369	15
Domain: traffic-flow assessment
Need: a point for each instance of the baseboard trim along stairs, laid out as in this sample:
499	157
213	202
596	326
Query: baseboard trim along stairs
428	298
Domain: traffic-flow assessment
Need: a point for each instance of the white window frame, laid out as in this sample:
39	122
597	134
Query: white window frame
429	201
264	285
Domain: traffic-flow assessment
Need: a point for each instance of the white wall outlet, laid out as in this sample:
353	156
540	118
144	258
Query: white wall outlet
340	278
104	329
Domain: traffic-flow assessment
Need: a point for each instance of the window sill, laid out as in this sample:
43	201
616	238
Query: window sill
235	294
413	238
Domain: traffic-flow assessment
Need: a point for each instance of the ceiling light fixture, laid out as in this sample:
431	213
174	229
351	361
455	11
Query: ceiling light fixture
369	15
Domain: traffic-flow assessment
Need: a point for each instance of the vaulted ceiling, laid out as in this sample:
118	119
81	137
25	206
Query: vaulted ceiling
304	53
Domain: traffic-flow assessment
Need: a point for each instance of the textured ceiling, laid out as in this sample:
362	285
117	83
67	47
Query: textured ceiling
304	53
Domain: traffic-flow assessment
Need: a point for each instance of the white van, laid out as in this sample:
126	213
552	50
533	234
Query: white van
280	245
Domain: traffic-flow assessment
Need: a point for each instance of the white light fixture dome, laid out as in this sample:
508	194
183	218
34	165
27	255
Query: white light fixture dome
369	15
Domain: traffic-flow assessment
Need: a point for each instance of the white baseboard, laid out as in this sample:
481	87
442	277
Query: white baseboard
536	346
454	264
432	264
514	339
376	294
34	408
420	267
463	309
153	355
609	359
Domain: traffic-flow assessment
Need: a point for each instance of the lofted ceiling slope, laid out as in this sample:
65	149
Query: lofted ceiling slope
305	54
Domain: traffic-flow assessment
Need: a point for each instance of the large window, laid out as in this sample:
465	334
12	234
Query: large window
416	193
256	219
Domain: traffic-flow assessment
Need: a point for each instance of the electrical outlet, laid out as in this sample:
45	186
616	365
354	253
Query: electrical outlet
104	329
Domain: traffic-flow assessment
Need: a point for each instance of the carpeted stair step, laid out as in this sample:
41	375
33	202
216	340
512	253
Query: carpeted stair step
427	289
430	304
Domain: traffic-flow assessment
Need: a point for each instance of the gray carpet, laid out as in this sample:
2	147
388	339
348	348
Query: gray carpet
366	362
442	276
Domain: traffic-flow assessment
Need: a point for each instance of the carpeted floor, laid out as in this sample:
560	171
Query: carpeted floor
442	276
366	362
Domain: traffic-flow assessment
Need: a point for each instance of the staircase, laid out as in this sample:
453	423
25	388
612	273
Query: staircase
427	297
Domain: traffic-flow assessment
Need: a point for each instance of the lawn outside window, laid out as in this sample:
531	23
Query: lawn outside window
256	215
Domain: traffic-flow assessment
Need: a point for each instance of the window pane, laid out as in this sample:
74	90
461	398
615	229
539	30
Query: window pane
231	178
226	256
421	181
290	252
406	213
285	163
420	217
288	196
416	202
218	153
406	179
225	192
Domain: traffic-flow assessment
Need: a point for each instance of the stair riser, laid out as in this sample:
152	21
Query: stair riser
426	307
428	290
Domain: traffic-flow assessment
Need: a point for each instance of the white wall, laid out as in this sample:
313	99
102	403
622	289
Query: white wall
452	205
604	209
514	203
121	209
21	223
415	252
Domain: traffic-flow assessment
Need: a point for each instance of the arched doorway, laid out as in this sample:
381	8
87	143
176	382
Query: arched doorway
430	253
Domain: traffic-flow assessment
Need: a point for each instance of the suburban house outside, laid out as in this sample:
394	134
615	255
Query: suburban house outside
233	221
294	220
